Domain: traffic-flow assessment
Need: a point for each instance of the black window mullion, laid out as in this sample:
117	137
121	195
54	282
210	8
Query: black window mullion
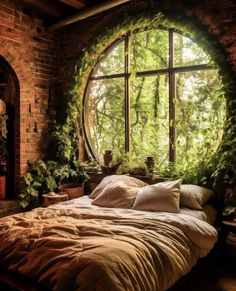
169	71
174	70
107	77
172	93
127	97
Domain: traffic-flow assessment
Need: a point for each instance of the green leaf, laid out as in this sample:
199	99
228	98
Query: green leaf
28	179
36	184
32	192
51	183
23	204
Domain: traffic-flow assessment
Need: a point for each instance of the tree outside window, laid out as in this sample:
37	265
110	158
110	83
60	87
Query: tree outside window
155	92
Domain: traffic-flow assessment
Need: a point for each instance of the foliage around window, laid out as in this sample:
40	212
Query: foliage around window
223	161
197	100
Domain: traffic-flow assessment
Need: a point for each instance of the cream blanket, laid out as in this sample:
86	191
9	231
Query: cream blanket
74	246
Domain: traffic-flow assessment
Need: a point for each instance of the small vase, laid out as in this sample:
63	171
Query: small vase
107	157
150	162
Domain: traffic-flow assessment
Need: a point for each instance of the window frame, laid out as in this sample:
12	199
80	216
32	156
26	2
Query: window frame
171	71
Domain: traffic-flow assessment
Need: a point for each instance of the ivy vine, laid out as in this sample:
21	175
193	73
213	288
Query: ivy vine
222	166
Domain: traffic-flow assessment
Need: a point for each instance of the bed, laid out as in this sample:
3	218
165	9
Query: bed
82	245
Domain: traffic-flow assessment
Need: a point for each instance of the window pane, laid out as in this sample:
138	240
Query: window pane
200	106
187	53
105	123
200	115
149	50
113	63
150	118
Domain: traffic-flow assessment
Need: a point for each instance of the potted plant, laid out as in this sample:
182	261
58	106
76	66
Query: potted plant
50	176
39	180
118	165
72	178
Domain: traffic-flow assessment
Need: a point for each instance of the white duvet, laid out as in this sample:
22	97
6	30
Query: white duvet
77	246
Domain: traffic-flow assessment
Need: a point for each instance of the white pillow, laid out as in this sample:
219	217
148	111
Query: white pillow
159	197
194	196
117	195
127	180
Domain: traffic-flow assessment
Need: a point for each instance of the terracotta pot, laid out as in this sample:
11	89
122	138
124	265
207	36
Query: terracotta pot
73	190
107	157
150	162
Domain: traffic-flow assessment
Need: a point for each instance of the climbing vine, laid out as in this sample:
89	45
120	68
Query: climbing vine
221	166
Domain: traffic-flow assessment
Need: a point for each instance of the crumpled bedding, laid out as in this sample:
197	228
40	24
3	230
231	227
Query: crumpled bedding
79	246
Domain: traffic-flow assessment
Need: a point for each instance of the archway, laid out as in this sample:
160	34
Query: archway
9	90
19	97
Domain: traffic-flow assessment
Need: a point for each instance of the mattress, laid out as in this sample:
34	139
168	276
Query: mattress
75	245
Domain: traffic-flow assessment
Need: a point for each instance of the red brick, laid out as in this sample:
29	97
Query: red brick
40	59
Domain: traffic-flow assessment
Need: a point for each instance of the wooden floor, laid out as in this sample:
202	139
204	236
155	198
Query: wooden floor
216	272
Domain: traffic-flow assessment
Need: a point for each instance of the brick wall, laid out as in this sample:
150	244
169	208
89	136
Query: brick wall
32	54
216	18
219	18
41	59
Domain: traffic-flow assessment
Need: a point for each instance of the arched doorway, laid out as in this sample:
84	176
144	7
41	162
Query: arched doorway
9	93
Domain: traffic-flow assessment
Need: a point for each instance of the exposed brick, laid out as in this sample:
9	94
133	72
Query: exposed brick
41	58
31	52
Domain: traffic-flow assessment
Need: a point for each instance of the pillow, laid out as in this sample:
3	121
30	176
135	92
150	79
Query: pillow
116	194
127	180
193	196
159	197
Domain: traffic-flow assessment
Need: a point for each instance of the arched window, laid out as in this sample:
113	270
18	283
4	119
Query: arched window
154	92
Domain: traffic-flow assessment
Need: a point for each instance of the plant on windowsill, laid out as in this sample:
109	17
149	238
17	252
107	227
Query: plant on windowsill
125	164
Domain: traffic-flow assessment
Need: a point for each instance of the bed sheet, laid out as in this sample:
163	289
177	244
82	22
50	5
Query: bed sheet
74	245
208	213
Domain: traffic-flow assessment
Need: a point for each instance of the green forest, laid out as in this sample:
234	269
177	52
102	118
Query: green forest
155	93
